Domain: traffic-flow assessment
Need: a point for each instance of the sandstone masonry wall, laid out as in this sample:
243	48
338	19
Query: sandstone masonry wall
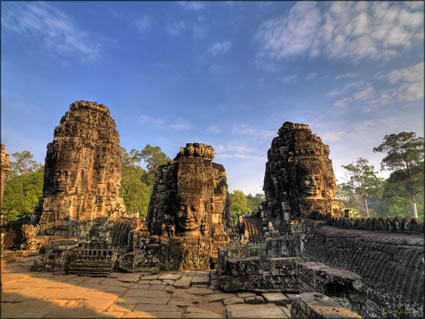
391	264
4	171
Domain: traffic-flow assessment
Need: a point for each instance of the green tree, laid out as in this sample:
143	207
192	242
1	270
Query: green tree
152	157
24	186
137	182
405	157
239	204
23	163
254	201
363	181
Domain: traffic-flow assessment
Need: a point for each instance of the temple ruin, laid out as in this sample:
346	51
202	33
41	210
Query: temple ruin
190	203
4	171
82	173
299	177
298	252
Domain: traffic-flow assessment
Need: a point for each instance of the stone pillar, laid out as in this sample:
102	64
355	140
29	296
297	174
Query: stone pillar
4	171
82	173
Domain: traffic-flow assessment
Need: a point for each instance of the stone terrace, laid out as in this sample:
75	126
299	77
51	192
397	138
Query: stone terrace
27	294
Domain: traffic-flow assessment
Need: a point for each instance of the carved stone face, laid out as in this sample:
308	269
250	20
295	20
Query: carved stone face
311	181
311	185
189	214
61	180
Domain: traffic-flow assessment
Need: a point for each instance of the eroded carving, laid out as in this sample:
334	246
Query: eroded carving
82	171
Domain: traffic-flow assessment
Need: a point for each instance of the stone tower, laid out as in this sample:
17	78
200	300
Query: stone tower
82	173
4	171
190	195
299	177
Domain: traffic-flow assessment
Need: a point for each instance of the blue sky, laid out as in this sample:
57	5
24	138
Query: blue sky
227	74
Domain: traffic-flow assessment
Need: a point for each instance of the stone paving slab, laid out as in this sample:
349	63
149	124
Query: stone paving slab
254	311
149	277
101	305
28	294
276	298
218	297
194	315
245	294
254	300
233	300
200	280
144	293
200	291
138	314
170	277
156	308
137	300
121	308
183	282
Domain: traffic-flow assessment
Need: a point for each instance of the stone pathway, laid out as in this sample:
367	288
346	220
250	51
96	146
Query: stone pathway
27	294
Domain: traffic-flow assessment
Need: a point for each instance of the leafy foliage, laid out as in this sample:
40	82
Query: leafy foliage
24	186
363	181
402	191
405	158
23	163
137	182
244	204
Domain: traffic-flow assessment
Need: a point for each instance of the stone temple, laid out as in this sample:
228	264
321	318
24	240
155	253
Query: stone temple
190	201
82	173
297	256
4	171
299	177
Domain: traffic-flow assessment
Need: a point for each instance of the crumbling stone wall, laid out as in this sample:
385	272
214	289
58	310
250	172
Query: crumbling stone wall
82	173
4	170
391	264
299	177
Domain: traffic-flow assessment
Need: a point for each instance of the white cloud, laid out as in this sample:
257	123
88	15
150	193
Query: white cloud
180	126
143	24
364	126
342	102
228	4
346	76
336	91
157	122
59	32
214	129
411	81
192	5
332	136
354	30
289	78
176	28
243	156
219	48
365	94
176	124
245	129
311	76
291	35
237	151
236	148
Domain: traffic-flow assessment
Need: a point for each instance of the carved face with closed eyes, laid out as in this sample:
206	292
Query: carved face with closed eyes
189	214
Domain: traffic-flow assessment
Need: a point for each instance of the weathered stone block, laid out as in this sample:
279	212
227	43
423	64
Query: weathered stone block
316	305
243	266
284	265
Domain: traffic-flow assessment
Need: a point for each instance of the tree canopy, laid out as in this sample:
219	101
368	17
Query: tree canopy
24	186
405	158
137	182
363	181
